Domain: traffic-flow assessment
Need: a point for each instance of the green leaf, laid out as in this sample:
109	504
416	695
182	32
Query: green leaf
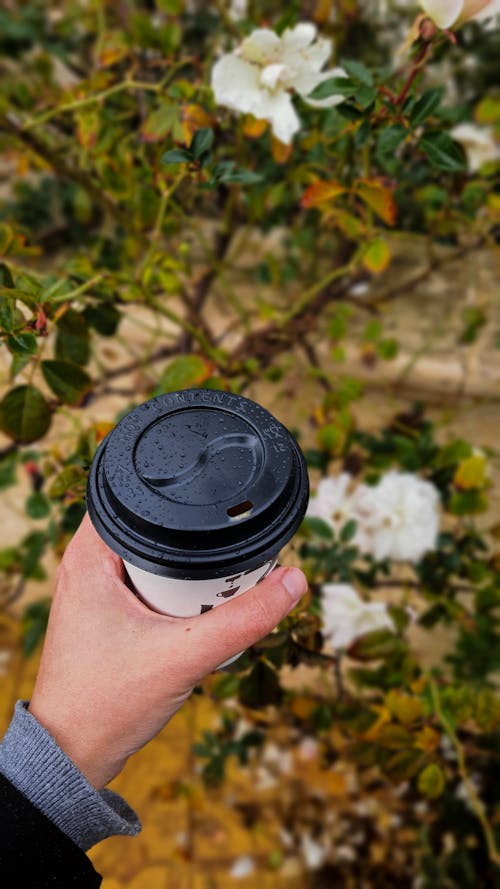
226	172
348	531
32	549
358	71
103	317
37	505
376	645
226	686
34	624
318	527
431	781
260	687
7	314
183	372
388	141
442	152
177	156
22	343
159	123
68	381
71	479
18	364
24	414
72	341
425	105
8	467
6	279
387	349
202	142
334	86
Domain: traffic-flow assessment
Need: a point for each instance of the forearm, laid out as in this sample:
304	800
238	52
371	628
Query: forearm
46	776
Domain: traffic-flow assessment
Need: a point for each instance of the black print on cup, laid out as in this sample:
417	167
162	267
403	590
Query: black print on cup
226	594
205	608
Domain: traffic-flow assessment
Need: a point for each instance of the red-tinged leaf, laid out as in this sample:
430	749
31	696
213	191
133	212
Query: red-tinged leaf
186	371
112	48
378	197
87	128
321	192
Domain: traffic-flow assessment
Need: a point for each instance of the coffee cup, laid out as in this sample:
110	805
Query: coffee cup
197	491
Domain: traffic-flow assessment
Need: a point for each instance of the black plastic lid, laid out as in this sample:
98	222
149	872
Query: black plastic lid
195	483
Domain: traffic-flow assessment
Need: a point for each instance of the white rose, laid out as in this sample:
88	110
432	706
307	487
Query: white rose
346	616
332	502
398	518
449	13
478	143
259	76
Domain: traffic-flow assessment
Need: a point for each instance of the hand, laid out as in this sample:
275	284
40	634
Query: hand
113	672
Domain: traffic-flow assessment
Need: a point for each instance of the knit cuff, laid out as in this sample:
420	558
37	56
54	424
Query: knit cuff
39	769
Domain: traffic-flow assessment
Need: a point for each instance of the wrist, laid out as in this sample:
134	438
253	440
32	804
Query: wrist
73	735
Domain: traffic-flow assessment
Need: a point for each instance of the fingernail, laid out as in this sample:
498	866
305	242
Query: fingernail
295	583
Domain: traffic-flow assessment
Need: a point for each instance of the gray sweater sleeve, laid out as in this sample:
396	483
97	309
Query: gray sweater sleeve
39	769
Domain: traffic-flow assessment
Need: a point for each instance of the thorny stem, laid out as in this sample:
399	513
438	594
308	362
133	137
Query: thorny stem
160	217
475	801
90	100
301	305
66	171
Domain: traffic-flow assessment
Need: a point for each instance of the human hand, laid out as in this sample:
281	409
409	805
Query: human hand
113	672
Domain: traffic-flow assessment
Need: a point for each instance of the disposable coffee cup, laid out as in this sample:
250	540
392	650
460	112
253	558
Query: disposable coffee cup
197	491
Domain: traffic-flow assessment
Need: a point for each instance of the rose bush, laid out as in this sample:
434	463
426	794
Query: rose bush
143	148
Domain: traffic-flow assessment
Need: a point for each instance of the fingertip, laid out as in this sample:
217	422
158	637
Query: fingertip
295	581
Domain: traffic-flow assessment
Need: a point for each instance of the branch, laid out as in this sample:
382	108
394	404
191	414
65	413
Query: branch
475	801
66	171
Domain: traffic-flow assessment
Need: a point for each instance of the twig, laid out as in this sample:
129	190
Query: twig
475	801
66	171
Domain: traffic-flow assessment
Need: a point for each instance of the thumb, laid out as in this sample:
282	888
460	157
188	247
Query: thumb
227	630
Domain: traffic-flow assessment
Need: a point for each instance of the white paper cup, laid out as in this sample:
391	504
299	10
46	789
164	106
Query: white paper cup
188	598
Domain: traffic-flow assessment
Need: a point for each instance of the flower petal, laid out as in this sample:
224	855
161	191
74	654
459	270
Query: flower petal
273	74
443	13
236	84
299	37
262	46
479	9
279	111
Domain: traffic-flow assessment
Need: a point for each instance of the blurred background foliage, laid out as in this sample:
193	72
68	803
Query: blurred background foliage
129	201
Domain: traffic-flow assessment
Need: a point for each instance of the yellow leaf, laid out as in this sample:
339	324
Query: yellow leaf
494	205
383	718
302	706
280	151
404	708
254	128
377	255
378	197
193	118
101	430
323	11
470	473
488	110
347	223
321	192
112	48
427	739
431	781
